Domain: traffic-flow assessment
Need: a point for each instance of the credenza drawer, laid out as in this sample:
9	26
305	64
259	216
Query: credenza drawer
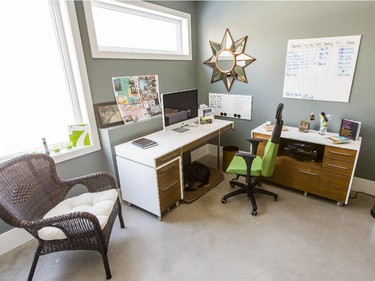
336	166
299	177
168	157
340	154
334	186
338	160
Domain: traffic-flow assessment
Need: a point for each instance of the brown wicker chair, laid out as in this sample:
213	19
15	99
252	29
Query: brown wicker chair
30	187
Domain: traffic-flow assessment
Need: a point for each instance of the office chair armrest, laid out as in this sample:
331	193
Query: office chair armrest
254	144
246	155
249	161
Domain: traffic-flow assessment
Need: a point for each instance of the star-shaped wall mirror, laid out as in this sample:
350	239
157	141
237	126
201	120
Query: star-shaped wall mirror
229	60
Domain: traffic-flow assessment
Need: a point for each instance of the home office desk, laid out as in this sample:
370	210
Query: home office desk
152	178
330	176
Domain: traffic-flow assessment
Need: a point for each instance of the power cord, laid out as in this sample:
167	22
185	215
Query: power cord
372	211
360	192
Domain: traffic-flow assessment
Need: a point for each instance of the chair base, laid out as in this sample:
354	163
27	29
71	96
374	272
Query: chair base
250	190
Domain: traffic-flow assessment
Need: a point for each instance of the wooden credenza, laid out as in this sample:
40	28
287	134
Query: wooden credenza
329	176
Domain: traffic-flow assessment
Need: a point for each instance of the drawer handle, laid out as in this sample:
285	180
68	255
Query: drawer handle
168	168
309	173
169	186
169	157
337	166
339	153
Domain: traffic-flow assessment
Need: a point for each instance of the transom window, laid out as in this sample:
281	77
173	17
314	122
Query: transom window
137	30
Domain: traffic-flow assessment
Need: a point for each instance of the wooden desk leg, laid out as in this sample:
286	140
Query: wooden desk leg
218	152
186	158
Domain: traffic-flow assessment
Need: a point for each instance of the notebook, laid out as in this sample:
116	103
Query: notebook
144	143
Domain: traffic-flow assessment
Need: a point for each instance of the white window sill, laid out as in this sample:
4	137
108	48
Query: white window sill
65	154
69	154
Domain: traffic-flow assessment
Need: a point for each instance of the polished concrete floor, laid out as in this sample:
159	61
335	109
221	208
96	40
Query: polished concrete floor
296	238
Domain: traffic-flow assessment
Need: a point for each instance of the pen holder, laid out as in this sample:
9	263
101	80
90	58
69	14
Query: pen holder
323	130
324	121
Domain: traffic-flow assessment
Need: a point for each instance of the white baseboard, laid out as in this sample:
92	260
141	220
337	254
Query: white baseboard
363	185
13	238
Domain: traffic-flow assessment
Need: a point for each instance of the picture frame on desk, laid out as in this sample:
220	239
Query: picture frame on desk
108	114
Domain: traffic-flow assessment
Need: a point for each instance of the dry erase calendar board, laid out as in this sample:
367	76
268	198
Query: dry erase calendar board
321	68
235	106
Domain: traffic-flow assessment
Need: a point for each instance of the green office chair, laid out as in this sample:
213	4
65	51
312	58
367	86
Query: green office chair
254	167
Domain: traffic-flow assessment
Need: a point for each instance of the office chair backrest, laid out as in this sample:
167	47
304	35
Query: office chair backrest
272	146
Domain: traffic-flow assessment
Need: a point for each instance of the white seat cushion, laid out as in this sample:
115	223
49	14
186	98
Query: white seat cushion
99	204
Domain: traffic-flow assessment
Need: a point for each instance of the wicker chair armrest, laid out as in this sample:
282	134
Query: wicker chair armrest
71	224
94	182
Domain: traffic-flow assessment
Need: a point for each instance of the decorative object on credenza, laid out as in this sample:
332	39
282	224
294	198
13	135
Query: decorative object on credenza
350	129
108	114
324	121
304	126
229	60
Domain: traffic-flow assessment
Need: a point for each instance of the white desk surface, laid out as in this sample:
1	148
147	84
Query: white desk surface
168	141
311	136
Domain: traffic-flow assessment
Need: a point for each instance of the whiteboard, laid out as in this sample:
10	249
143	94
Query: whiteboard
234	106
321	68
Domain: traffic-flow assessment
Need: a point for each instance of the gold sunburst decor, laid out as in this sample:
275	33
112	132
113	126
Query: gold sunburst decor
229	60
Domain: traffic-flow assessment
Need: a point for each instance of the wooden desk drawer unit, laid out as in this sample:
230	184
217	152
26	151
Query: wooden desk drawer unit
169	185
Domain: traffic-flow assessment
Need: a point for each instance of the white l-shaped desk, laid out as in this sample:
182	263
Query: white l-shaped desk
152	178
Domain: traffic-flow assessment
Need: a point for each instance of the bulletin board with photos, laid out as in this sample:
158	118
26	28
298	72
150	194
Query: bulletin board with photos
137	97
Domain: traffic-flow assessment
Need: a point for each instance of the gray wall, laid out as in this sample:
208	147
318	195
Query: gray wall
269	26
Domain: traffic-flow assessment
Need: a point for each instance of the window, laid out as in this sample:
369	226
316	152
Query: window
44	84
137	30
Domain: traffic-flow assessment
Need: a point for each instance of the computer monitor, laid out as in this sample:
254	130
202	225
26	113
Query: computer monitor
179	109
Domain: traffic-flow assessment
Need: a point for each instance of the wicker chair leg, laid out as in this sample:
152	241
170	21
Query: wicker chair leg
35	261
120	216
106	266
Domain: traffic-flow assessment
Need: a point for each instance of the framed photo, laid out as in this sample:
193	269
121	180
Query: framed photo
108	114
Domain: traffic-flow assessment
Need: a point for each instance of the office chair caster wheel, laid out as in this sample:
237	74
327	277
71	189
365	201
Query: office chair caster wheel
254	213
223	200
276	198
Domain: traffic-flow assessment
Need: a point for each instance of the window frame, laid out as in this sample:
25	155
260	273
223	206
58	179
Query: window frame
66	26
141	8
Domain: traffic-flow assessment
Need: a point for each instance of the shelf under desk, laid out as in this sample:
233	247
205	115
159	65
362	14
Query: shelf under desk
152	178
330	176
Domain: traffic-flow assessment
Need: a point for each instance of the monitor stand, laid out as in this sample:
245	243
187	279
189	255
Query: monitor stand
180	130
